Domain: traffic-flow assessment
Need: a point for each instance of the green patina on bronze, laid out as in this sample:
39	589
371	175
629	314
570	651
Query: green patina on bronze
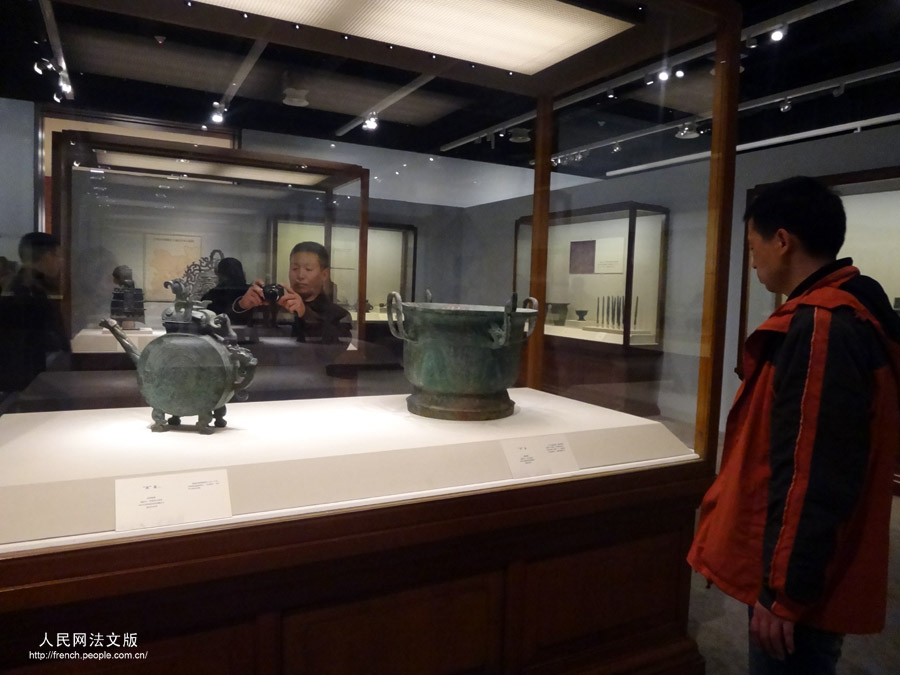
460	359
190	370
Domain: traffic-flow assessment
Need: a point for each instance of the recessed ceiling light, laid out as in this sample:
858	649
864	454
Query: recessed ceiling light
546	32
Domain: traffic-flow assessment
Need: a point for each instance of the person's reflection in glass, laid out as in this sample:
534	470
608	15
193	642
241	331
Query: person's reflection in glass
32	336
232	284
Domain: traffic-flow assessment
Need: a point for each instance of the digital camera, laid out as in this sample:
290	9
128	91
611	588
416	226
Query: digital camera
272	292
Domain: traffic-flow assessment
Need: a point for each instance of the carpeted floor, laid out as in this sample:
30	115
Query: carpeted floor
719	624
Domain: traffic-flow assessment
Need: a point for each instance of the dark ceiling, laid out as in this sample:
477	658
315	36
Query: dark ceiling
163	60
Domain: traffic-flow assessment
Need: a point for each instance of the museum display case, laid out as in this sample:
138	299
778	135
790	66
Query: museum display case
550	540
600	263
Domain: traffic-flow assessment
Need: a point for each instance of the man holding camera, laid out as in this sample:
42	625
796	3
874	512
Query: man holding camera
317	318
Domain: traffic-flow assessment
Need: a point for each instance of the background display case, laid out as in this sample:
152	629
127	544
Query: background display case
603	329
606	270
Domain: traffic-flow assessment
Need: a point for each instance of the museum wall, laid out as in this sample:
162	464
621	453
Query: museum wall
17	159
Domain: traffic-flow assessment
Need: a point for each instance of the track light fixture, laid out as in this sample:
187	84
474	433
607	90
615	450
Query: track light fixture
838	90
218	113
778	34
785	105
371	122
688	130
617	147
41	66
679	73
663	75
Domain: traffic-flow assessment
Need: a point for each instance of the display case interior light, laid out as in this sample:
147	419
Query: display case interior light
546	32
201	169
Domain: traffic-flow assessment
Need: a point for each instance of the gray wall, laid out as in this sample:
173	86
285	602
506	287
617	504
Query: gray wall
17	157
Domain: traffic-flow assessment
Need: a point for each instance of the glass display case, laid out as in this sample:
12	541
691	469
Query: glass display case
605	273
333	510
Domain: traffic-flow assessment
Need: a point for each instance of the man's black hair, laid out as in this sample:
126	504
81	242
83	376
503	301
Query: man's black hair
806	208
313	247
35	245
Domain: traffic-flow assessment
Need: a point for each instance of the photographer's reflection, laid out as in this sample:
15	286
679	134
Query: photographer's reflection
32	337
316	318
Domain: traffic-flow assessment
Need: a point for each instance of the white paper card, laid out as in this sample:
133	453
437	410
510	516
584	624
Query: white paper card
539	455
172	499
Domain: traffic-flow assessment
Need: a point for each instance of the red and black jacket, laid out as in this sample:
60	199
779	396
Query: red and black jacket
799	515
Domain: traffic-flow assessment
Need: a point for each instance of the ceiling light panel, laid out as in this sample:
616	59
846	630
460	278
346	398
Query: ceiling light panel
524	36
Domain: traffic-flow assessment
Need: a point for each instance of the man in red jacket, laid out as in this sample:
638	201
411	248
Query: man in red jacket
796	525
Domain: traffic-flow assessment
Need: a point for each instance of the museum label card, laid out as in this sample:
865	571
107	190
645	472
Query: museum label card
539	456
172	499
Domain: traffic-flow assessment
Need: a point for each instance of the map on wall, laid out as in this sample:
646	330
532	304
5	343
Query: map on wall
166	256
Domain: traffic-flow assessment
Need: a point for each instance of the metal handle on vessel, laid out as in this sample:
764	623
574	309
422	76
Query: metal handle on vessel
500	336
531	303
395	324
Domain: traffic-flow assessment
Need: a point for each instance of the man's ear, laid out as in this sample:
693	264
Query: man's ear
786	241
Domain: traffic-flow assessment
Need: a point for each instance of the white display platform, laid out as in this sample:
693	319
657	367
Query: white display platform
58	470
593	333
101	341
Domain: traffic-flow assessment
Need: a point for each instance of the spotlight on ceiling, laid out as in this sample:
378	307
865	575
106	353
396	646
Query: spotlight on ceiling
649	79
687	130
43	65
617	147
611	94
295	97
519	135
838	90
785	105
371	122
778	34
57	97
679	73
218	113
663	75
752	43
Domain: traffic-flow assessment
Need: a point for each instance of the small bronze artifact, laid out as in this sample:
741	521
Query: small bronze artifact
581	313
191	370
460	359
557	313
127	305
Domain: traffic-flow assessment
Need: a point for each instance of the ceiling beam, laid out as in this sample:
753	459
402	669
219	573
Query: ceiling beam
65	84
387	102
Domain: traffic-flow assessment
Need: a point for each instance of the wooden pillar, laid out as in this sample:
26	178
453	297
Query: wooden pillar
718	233
543	142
